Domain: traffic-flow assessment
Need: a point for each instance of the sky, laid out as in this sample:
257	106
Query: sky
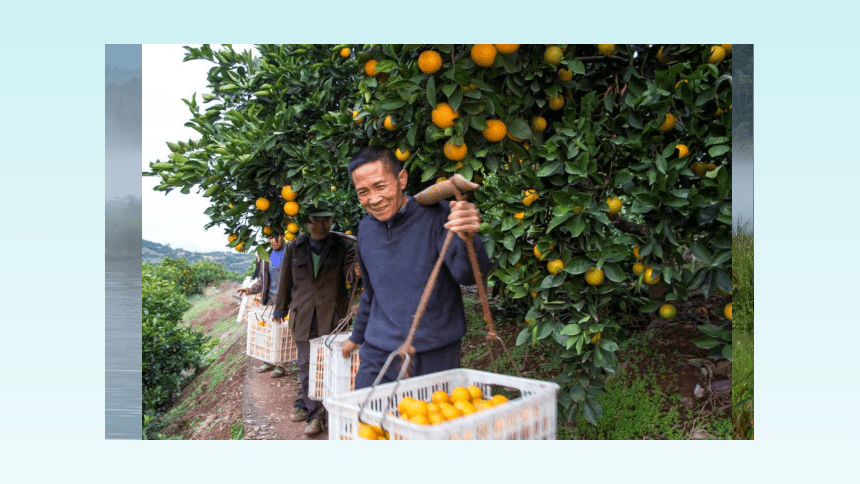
174	218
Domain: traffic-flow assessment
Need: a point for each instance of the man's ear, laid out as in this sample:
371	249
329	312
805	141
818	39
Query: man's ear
402	179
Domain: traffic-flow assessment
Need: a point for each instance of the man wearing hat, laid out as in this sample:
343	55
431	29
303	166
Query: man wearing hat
312	289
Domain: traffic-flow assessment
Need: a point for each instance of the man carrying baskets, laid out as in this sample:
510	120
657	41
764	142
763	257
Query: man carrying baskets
399	242
312	289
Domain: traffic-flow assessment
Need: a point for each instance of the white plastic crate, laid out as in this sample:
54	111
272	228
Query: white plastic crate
331	373
272	342
530	416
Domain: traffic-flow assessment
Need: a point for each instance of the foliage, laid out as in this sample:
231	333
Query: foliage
191	279
167	349
742	280
237	431
206	273
297	113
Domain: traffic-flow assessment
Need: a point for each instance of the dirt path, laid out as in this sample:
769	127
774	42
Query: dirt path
267	403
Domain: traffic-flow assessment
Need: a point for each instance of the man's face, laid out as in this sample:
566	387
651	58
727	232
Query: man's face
276	242
379	191
319	227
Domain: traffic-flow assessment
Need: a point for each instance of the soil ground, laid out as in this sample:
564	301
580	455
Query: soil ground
230	399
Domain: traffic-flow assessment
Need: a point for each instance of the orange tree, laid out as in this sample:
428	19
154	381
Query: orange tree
593	158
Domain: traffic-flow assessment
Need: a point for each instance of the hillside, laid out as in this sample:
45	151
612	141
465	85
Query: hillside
153	252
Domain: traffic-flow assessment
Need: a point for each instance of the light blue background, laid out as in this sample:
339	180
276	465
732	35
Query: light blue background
51	190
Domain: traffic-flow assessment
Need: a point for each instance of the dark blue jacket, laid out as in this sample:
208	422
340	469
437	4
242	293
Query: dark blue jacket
396	259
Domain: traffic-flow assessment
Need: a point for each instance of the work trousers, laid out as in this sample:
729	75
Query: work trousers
373	359
315	409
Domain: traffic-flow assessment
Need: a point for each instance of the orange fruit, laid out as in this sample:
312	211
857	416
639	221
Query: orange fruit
475	392
420	419
292	228
453	152
443	116
403	404
663	58
717	54
594	276
450	412
727	48
679	83
439	396
239	247
370	67
614	205
636	253
464	406
538	124
682	151
668	123
482	405
289	236
530	197
291	208
556	102
402	155
232	237
267	230
667	311
436	418
288	194
519	215
344	52
555	266
565	75
698	168
499	399
728	311
460	394
506	48
606	49
429	61
638	268
367	432
496	130
553	55
262	204
649	272
388	123
483	54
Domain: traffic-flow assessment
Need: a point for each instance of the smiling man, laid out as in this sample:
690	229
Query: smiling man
399	242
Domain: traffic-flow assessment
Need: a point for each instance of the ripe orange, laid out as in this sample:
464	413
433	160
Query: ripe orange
519	215
553	55
262	204
530	197
728	311
698	168
717	54
344	52
402	155
565	75
464	406
555	266
475	392
421	419
239	247
449	411
439	396
436	418
538	124
429	61
292	228
727	48
443	116
291	208
594	276
370	67
288	193
668	123
556	102
636	253
499	399
667	311
614	205
232	237
453	152
663	58
388	123
289	236
460	394
650	277
356	121
483	54
267	230
682	150
367	432
507	48
606	49
496	130
403	404
638	268
482	405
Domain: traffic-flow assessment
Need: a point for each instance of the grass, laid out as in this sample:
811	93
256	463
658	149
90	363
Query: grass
742	337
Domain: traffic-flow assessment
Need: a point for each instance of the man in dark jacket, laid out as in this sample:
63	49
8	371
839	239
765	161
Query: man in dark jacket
399	242
267	287
313	290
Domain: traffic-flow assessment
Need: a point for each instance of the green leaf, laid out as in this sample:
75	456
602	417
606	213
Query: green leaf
578	265
718	150
431	92
551	168
592	412
262	253
571	330
706	342
701	253
727	352
577	394
523	336
608	345
613	271
519	129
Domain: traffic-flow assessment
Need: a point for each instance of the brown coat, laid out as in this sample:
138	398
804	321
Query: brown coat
302	293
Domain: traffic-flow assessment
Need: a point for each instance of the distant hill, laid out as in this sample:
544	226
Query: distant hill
153	252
